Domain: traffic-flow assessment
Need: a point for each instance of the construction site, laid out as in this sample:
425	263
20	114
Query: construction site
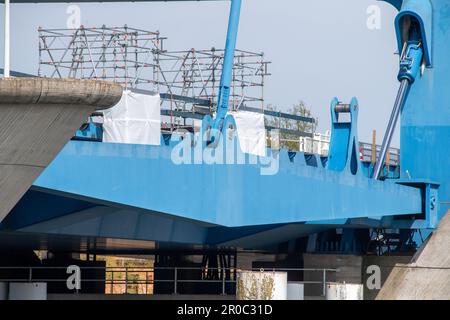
133	171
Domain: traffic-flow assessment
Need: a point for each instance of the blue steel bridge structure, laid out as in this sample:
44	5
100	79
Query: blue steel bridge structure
107	197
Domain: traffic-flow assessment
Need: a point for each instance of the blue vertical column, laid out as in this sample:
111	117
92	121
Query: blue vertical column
228	60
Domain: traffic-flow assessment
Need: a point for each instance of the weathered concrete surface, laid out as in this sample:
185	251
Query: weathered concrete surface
428	274
352	269
386	264
37	117
349	270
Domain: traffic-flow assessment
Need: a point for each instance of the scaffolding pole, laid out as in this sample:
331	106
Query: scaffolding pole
6	57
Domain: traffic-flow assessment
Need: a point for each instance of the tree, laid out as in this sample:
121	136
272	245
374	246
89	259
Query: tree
291	141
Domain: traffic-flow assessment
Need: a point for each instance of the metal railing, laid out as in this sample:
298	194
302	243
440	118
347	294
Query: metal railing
366	149
127	277
323	274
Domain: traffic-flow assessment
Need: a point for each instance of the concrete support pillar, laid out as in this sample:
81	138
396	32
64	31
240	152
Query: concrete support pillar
37	118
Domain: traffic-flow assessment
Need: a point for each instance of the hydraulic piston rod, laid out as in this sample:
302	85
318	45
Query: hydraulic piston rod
409	68
399	102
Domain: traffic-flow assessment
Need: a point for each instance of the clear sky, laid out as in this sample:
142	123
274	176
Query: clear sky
319	48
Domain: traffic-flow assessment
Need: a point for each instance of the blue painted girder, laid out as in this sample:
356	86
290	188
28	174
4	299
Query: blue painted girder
227	195
55	215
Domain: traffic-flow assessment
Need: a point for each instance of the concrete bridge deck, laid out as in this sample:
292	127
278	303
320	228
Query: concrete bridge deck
37	118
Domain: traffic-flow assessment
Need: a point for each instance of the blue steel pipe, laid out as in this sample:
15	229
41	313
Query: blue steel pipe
228	60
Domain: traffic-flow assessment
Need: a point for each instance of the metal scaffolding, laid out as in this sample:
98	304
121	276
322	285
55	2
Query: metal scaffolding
188	80
120	54
196	73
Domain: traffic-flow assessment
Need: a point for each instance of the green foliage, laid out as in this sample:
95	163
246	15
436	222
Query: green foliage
299	109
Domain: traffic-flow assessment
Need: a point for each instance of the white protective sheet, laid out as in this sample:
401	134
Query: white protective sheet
251	132
136	119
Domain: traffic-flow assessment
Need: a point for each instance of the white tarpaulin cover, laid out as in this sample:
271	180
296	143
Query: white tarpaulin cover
251	132
136	119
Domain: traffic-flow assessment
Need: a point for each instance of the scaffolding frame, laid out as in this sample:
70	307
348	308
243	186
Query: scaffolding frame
188	80
117	54
196	73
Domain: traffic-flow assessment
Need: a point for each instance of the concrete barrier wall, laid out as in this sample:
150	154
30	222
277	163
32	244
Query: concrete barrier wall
349	270
352	269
